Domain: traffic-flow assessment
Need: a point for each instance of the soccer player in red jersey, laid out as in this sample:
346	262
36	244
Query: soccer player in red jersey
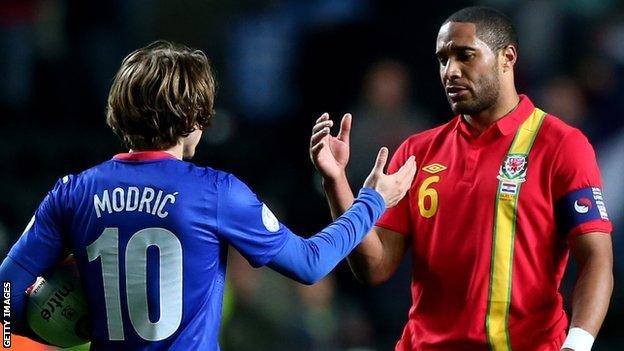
503	194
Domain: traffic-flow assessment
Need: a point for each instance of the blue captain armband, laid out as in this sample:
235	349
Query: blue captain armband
579	207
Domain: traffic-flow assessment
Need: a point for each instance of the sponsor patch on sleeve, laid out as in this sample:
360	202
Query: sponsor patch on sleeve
580	206
269	220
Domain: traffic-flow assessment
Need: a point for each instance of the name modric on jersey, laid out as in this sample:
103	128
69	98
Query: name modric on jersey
132	198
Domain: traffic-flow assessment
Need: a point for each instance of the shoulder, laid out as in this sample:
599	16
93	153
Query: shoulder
556	130
218	180
573	157
564	140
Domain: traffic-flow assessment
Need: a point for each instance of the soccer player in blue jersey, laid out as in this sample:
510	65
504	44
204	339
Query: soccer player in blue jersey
150	232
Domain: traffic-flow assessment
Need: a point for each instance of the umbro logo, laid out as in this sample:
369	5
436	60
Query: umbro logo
434	168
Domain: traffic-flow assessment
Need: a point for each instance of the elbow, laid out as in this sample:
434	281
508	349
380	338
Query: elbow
307	282
311	278
611	282
371	278
376	281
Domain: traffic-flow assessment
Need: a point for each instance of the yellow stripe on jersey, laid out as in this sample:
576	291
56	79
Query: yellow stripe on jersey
505	213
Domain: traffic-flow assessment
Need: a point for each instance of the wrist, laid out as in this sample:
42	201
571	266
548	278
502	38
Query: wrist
578	340
335	180
374	195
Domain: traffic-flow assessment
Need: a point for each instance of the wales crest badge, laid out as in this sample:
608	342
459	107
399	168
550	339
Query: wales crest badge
513	169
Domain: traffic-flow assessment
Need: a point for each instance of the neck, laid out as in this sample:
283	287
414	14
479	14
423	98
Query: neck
505	104
177	151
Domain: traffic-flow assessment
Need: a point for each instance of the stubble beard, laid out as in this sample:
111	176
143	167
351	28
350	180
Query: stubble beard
484	98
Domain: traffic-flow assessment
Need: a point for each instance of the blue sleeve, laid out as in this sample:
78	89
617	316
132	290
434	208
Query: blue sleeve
17	279
247	224
309	260
40	247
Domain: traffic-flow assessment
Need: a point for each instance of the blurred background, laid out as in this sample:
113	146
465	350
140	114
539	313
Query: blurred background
280	64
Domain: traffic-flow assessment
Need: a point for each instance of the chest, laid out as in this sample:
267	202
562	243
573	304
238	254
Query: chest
459	185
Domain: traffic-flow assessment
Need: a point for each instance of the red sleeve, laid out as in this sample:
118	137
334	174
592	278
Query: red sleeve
577	188
397	218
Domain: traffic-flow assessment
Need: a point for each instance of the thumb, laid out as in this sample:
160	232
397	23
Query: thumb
408	166
382	158
345	128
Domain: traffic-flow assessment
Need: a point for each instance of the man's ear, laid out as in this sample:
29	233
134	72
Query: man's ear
509	56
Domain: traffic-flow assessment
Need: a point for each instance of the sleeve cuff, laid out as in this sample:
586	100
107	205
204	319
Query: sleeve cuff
597	225
373	195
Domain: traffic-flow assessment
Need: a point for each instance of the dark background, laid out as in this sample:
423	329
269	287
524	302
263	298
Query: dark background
280	64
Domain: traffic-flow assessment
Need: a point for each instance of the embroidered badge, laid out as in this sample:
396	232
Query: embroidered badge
513	169
434	168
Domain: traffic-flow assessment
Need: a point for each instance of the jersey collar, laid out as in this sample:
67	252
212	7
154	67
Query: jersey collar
143	156
507	124
510	123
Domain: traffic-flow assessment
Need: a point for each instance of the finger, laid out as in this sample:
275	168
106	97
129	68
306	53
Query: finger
409	163
405	175
318	136
408	166
317	148
345	128
321	125
411	172
324	117
380	162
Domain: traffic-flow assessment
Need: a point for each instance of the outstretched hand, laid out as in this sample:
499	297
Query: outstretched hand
392	187
330	154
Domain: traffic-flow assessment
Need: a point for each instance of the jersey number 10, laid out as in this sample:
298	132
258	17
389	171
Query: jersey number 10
106	247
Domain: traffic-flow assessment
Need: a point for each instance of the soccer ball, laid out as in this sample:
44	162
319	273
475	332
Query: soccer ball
57	308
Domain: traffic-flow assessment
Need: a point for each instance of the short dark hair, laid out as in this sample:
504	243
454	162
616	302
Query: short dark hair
162	92
493	26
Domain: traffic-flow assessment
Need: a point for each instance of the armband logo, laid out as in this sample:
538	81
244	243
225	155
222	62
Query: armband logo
582	205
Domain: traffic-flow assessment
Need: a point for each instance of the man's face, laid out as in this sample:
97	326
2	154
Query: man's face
468	68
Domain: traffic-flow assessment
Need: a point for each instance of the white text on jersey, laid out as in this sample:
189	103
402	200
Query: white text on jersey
133	199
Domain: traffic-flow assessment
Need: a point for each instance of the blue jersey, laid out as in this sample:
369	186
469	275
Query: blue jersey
150	234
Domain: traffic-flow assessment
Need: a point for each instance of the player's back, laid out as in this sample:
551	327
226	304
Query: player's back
143	229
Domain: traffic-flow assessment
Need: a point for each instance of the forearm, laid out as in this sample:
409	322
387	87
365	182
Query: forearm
308	260
339	195
366	261
592	294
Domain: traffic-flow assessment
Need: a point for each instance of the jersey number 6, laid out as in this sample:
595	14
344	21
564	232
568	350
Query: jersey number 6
106	247
424	191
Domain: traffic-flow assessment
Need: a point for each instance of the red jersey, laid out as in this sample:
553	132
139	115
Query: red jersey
489	218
